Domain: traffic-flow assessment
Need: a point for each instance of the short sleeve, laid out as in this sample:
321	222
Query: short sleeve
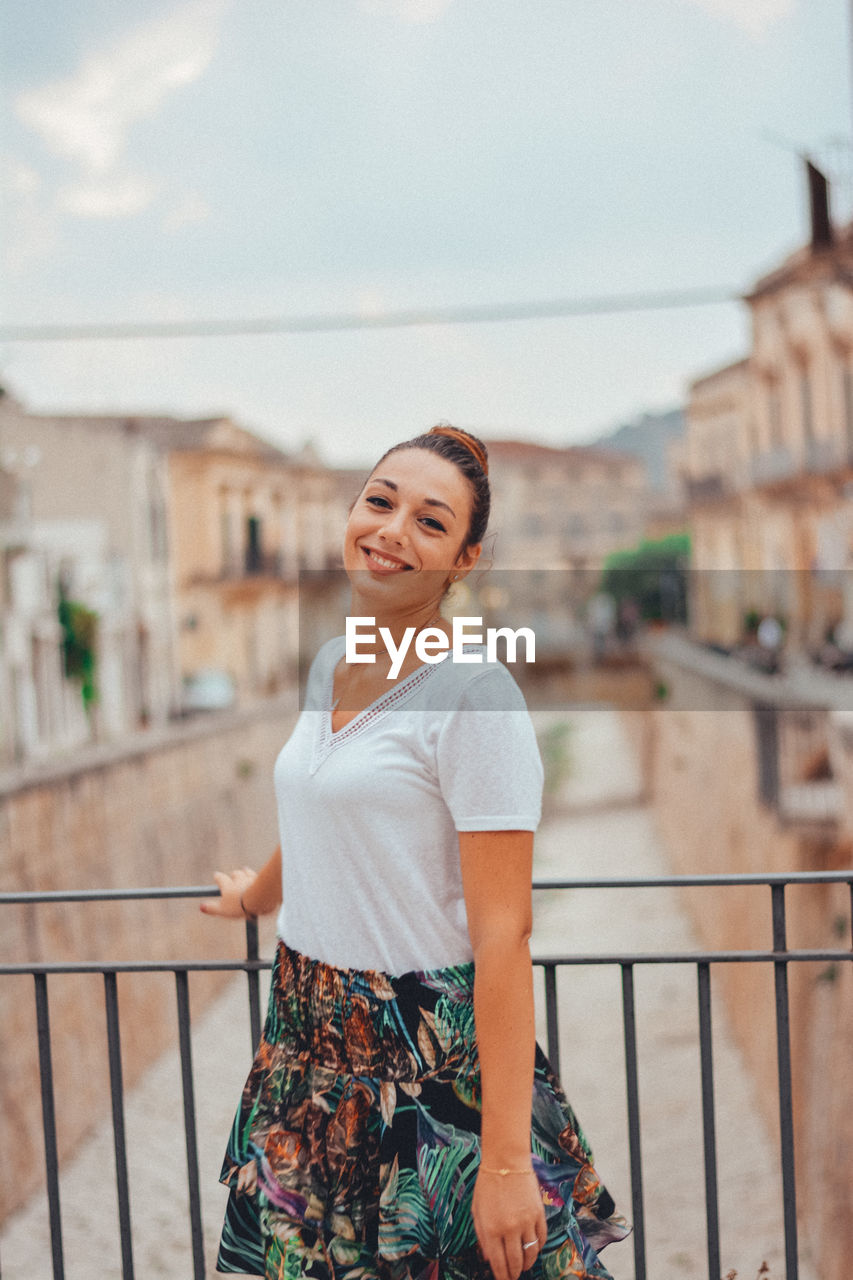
489	767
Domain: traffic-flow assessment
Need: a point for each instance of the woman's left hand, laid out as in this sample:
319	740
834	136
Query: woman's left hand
509	1220
231	889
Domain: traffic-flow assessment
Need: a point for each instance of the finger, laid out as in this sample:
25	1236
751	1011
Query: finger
515	1263
496	1258
530	1253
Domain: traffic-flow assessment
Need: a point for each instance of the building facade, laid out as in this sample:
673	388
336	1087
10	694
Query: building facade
84	546
769	460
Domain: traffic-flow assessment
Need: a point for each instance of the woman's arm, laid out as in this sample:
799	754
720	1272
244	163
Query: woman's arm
508	1212
246	892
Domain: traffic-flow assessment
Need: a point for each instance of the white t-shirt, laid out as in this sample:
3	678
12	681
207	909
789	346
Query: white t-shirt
368	816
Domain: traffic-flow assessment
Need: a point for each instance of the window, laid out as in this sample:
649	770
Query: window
806	414
254	554
847	393
774	415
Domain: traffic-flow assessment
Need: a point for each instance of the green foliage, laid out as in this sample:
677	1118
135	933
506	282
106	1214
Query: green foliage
79	638
555	749
654	575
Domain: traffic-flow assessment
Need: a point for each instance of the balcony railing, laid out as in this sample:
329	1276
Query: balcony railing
709	487
779	957
773	465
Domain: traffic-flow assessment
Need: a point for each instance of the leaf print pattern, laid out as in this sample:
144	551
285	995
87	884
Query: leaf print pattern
355	1150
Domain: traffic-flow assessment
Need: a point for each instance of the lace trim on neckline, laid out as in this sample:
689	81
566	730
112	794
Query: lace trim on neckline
326	741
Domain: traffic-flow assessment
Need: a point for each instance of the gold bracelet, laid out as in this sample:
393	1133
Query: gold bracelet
250	915
504	1173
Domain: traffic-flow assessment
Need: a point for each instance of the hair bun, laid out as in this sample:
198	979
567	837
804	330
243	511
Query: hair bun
471	443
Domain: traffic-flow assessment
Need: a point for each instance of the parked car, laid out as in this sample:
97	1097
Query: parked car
208	689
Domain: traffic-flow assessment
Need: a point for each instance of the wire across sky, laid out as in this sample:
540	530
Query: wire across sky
486	313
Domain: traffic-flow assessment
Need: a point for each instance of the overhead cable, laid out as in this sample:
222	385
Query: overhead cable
486	313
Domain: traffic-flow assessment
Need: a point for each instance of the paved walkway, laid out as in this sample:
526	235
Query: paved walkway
597	826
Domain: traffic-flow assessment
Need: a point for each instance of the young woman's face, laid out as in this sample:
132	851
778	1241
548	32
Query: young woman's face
405	532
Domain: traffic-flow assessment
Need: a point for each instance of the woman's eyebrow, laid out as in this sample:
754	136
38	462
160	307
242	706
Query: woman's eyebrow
430	502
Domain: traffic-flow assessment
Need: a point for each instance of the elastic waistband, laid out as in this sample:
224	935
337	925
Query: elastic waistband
365	1022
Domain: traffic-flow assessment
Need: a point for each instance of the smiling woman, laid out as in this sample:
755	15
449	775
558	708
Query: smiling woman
399	1121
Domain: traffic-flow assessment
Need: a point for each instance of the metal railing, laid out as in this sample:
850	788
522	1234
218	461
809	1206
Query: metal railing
780	957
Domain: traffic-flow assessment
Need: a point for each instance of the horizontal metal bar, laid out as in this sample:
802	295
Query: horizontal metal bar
239	966
109	895
146	966
549	882
706	881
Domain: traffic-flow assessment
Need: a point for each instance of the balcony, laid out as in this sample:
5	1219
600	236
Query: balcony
772	466
709	487
559	972
826	456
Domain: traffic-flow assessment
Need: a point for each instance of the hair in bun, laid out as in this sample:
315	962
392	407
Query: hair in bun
464	437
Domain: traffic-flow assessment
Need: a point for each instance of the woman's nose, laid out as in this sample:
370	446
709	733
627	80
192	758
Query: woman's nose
394	526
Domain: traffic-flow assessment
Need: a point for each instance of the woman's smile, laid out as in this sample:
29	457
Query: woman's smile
381	563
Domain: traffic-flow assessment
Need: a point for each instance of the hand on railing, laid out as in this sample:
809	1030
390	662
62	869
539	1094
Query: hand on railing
231	890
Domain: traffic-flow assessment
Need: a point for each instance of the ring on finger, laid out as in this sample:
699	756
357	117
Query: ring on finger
529	1244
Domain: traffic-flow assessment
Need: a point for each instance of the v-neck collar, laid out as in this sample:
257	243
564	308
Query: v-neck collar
325	741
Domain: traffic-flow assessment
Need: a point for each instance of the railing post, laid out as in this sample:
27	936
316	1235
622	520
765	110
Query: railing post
185	1042
629	1018
552	1027
709	1135
767	734
117	1097
48	1111
786	1105
254	980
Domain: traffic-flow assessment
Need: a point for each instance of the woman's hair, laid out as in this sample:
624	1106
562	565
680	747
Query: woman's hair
470	455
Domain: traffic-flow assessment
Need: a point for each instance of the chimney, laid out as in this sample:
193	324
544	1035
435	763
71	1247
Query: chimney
820	222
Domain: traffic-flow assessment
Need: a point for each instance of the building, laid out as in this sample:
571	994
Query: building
769	458
87	527
195	553
556	516
246	520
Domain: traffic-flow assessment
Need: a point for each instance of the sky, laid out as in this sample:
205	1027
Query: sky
191	160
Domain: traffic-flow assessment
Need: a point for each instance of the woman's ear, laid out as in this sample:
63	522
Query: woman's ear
466	560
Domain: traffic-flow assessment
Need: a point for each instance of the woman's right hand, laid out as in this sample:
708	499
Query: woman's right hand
231	890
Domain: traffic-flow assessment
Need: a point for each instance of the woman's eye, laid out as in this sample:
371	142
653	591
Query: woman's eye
378	500
434	524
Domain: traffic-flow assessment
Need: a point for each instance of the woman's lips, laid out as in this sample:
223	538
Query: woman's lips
384	564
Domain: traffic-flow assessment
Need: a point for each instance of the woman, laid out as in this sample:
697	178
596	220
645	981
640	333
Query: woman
399	1122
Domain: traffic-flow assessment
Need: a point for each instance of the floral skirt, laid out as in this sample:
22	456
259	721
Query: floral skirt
355	1150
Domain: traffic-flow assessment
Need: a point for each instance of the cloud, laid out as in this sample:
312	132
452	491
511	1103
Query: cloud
416	11
752	16
30	228
111	198
86	117
189	209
